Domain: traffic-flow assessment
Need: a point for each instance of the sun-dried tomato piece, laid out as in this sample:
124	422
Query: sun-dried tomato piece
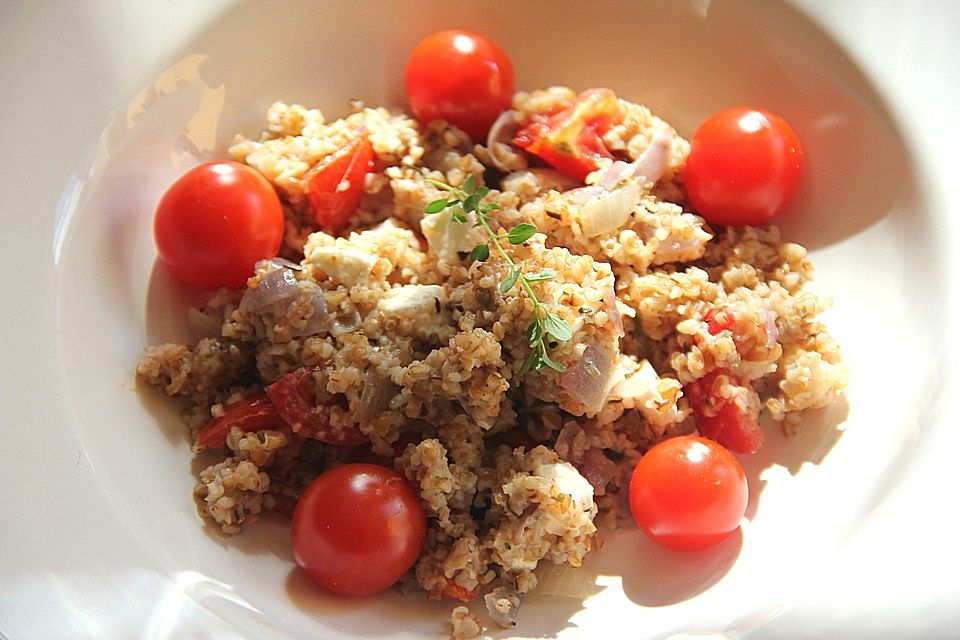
251	414
454	591
295	399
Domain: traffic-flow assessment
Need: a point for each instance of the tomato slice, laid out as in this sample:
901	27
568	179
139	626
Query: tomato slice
453	591
335	189
295	401
255	413
728	425
570	140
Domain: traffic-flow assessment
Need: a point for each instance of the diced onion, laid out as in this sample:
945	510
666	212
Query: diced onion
608	212
589	380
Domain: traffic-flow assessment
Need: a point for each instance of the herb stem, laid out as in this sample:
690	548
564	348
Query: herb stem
468	199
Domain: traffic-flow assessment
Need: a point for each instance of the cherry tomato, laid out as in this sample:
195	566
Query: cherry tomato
688	493
744	166
215	222
460	77
357	529
336	187
570	140
719	418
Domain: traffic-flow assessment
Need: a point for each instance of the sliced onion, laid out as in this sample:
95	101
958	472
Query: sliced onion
582	195
597	468
610	211
588	381
610	304
203	325
648	167
553	179
317	322
277	285
375	397
655	159
502	606
344	323
503	129
614	175
281	286
770	326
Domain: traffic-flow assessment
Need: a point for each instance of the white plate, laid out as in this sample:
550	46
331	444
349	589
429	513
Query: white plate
100	538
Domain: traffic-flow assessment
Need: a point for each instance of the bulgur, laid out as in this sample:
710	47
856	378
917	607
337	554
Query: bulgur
410	346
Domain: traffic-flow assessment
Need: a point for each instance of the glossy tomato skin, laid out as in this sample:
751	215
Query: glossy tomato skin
215	222
357	529
688	493
460	77
745	166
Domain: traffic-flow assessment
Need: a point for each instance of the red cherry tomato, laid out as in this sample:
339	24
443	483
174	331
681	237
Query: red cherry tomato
335	189
215	222
460	77
688	493
357	529
744	167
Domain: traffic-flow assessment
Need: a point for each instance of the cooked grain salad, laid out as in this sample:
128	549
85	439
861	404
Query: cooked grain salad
419	350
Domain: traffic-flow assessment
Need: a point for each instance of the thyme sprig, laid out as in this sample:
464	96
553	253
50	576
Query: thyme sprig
468	199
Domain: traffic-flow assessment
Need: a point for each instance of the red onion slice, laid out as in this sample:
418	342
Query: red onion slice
648	167
588	381
503	129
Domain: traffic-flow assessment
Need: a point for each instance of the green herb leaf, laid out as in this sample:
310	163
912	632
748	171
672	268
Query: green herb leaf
510	280
550	362
470	204
480	253
469	199
556	327
546	274
521	233
534	333
530	362
437	206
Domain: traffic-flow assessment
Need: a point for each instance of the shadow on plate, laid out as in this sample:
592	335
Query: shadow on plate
818	434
